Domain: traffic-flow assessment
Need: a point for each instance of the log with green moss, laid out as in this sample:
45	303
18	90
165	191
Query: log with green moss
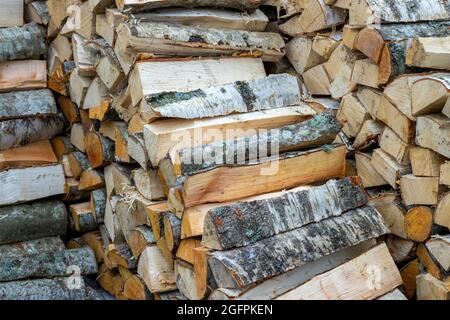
21	43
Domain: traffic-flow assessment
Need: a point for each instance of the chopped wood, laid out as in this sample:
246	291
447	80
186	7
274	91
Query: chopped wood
430	288
20	43
369	176
388	168
433	53
12	13
23	75
433	132
425	163
442	213
38	153
33	247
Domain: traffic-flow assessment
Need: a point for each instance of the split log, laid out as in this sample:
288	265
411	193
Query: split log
395	120
261	219
442	214
77	137
370	131
430	94
419	190
69	109
395	147
135	289
336	284
430	263
155	271
22	185
352	115
79	163
97	204
186	248
439	248
83	218
12	13
23	75
166	253
365	72
444	174
120	255
50	264
317	81
325	44
95	241
100	150
316	16
91	179
401	250
433	53
78	86
35	154
155	214
388	168
433	132
425	163
97	95
172	231
73	193
430	288
370	99
33	247
369	176
37	11
137	149
186	280
139	238
24	104
148	184
62	146
278	285
367	12
142	82
273	256
409	274
418	223
20	43
147	5
42	289
167	39
300	53
238	97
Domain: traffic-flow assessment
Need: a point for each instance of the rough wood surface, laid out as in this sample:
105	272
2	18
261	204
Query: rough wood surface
38	153
33	247
433	132
292	249
244	223
147	5
23	75
22	104
19	43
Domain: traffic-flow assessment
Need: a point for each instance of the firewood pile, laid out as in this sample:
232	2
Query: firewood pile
231	149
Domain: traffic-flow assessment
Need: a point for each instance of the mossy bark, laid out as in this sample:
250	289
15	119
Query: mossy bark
21	43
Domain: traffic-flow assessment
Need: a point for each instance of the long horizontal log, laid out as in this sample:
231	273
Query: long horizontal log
33	247
38	153
286	251
244	223
146	5
19	132
320	130
43	289
19	43
36	220
21	104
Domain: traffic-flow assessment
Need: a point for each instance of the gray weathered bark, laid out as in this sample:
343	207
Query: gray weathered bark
272	92
286	251
397	32
36	220
172	230
20	43
320	130
22	104
42	289
48	265
32	247
19	132
244	223
98	204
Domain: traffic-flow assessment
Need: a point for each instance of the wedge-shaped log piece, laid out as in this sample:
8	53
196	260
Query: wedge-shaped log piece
419	190
22	185
442	214
295	248
100	150
38	153
433	53
378	11
300	53
244	223
20	43
48	265
439	249
430	288
369	176
234	182
433	132
168	39
42	289
395	120
272	92
350	280
33	247
430	94
388	168
147	5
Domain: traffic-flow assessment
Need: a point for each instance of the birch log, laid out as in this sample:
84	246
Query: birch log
23	104
42	289
19	43
147	5
36	220
244	223
272	92
19	132
33	247
286	251
433	132
48	265
431	52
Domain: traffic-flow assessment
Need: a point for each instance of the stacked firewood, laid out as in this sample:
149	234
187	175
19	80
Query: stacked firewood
388	63
34	261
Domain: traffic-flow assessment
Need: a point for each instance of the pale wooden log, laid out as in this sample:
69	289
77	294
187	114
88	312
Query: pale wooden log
172	231
430	264
186	249
139	238
95	241
395	147
401	250
367	12
147	5
21	185
42	289
135	289
91	179
100	5
324	165
352	115
439	248
109	70
369	176
148	184
97	204
445	174
143	83
430	288
84	56
154	270
120	255
395	295
442	213
430	94
388	168
78	86
186	280
300	53
370	131
79	163
104	30
33	247
12	13
325	44
394	119
431	53
315	17
336	284
96	95
231	268
239	97
424	162
19	43
278	285
167	39
137	150
131	212
38	153
321	129
365	72
370	99
317	80
84	20
63	48
166	253
50	264
100	150
83	217
433	132
37	11
261	219
419	223
23	75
